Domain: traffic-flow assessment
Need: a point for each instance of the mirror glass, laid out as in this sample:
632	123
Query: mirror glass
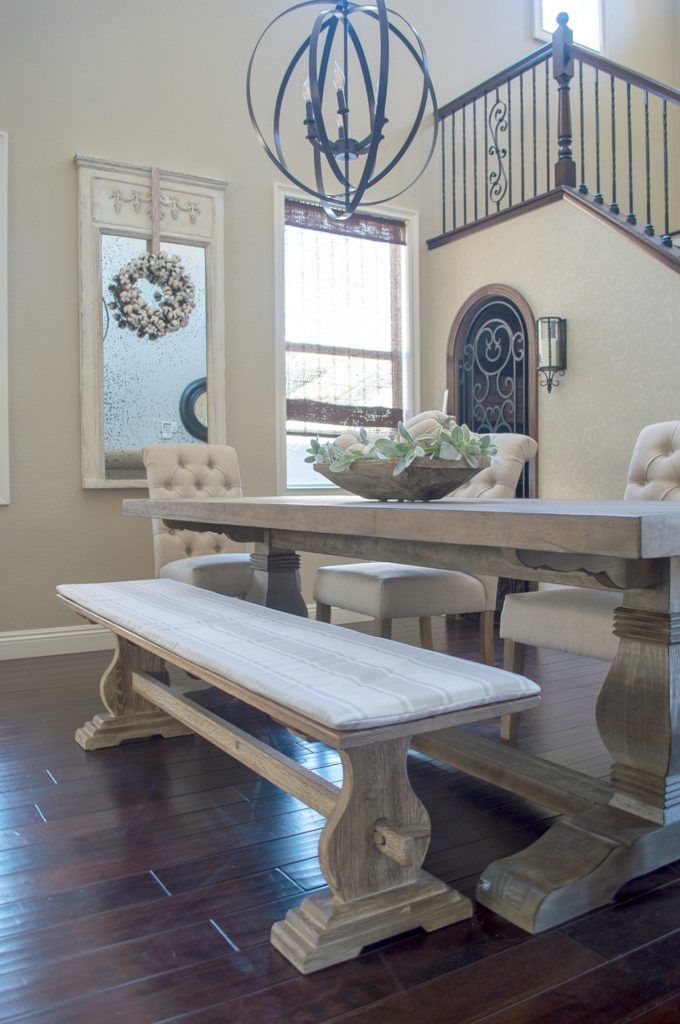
153	390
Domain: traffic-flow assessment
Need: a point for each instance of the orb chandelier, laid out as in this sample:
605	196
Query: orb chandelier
347	53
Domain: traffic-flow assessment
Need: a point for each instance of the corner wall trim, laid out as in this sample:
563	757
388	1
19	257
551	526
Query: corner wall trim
38	643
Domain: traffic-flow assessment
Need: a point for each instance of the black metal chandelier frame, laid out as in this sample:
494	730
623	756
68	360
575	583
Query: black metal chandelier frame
338	154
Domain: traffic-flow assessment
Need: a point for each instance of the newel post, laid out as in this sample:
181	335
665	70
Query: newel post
563	72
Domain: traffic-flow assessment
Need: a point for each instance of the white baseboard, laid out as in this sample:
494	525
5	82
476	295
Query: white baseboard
37	643
40	643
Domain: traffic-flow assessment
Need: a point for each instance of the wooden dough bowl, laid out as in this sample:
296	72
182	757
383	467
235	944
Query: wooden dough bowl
424	480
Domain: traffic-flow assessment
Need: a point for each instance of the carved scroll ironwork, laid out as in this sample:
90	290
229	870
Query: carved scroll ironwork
493	370
498	124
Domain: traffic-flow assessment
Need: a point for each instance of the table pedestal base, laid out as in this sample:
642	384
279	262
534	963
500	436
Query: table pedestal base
578	865
276	582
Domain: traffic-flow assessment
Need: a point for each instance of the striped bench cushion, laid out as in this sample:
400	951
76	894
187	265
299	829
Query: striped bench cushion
334	676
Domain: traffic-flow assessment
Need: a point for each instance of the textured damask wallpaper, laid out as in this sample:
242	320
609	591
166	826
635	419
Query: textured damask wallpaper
623	311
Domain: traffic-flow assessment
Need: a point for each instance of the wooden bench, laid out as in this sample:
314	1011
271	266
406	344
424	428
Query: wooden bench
362	695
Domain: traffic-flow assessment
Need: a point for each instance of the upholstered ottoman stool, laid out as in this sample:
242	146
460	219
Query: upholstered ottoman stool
386	591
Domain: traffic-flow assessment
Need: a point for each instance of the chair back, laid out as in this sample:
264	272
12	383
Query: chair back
499	480
190	471
654	471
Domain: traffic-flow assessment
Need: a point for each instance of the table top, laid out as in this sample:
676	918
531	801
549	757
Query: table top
626	529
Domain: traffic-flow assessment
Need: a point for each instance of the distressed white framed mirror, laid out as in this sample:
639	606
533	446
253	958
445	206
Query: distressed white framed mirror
4	381
140	387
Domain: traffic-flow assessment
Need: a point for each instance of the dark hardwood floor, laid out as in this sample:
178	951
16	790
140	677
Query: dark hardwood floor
139	884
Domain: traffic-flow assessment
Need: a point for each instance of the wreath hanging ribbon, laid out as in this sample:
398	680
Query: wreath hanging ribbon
176	296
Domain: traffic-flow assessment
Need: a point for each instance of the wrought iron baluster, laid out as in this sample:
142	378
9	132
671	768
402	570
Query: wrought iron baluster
533	129
631	218
648	228
598	198
521	134
486	153
454	214
510	143
666	237
547	126
583	188
614	206
443	144
465	219
474	151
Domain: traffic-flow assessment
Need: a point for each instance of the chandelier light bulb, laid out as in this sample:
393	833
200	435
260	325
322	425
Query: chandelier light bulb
338	77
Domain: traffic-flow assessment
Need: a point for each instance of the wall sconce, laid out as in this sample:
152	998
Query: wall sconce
551	343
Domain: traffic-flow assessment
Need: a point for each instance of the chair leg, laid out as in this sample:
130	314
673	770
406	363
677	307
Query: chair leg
513	656
323	612
486	638
510	729
383	627
425	625
513	661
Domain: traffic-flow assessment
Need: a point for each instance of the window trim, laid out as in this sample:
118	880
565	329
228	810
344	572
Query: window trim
4	359
540	32
412	301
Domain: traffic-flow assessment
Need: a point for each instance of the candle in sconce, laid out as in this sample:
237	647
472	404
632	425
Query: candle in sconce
552	343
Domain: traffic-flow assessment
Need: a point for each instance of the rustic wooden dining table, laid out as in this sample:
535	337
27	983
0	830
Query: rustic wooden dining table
609	831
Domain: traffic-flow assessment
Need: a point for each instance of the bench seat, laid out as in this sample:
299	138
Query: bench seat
364	696
339	678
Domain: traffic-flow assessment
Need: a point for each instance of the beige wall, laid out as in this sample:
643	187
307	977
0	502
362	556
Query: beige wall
162	82
623	314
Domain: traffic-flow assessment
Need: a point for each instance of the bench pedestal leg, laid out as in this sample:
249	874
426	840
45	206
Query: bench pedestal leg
371	895
128	716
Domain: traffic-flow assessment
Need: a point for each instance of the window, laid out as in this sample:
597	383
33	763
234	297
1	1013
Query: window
585	20
347	337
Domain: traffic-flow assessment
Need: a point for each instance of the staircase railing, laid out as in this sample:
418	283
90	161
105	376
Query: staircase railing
509	142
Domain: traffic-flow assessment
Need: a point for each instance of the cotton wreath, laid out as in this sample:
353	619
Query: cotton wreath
175	298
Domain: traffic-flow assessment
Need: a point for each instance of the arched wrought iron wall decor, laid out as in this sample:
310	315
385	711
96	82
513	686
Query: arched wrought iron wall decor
334	53
491	377
491	367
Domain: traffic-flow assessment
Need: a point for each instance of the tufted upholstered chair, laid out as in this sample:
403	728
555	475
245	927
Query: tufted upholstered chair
579	621
386	591
208	560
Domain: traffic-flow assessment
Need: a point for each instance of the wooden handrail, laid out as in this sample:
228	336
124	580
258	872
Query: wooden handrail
518	68
536	57
610	67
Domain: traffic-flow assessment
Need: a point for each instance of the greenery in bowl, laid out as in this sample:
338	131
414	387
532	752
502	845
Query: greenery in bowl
444	439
